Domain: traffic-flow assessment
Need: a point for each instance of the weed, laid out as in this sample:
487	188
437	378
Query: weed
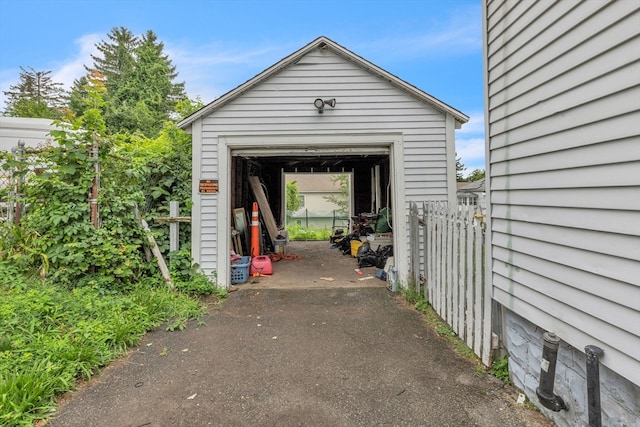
500	369
176	324
413	296
444	330
189	279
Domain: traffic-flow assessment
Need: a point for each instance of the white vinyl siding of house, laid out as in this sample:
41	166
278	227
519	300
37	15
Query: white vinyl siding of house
564	170
366	105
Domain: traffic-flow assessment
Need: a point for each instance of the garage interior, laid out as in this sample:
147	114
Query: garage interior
370	191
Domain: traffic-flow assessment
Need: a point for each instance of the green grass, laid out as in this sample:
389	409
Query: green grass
51	337
298	232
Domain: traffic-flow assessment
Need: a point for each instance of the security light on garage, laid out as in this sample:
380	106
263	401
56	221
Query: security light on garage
319	103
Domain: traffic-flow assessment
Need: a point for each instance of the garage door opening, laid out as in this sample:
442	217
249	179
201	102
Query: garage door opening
317	205
361	187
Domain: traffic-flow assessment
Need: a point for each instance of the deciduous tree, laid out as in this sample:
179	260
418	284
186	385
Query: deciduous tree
294	200
475	175
342	199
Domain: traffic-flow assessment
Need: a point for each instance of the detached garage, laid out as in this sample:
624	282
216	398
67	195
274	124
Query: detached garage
322	109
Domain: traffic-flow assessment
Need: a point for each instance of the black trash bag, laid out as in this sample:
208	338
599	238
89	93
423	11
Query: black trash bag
366	256
382	253
338	235
368	259
344	245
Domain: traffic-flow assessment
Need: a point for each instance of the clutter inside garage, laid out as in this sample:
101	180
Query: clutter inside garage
259	235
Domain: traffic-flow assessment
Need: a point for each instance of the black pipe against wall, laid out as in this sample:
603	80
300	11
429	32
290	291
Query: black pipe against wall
545	393
593	384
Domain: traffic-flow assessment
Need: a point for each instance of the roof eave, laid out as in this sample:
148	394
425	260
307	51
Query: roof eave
347	54
264	75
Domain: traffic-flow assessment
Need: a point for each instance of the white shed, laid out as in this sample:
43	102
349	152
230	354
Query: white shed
31	131
395	140
563	173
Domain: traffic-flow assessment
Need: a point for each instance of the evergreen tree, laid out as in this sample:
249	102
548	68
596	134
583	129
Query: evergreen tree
117	60
88	92
460	168
77	96
35	95
116	63
152	83
141	94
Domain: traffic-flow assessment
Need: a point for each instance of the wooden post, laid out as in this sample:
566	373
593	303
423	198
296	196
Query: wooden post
156	251
174	236
173	219
147	252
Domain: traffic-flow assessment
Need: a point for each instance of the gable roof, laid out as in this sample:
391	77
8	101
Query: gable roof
472	187
323	43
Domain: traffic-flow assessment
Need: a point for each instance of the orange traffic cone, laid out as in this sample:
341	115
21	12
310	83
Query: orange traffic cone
255	231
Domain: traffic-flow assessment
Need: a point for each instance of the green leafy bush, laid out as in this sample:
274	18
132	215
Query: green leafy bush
188	278
52	336
56	236
166	161
75	294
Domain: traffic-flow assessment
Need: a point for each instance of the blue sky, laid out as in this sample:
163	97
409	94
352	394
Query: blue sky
216	45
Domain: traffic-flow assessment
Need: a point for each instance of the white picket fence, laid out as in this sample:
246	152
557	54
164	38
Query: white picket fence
448	253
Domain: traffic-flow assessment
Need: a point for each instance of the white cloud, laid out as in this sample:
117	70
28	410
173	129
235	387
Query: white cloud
211	70
470	143
73	68
64	72
475	125
471	153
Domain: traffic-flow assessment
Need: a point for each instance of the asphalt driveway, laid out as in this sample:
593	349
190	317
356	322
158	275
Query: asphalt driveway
296	357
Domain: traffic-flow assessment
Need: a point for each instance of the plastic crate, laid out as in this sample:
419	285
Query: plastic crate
240	270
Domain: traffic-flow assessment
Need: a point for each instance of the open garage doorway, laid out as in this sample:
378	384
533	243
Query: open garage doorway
317	204
361	174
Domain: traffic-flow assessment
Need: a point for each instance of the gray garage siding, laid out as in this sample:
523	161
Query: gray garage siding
366	104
